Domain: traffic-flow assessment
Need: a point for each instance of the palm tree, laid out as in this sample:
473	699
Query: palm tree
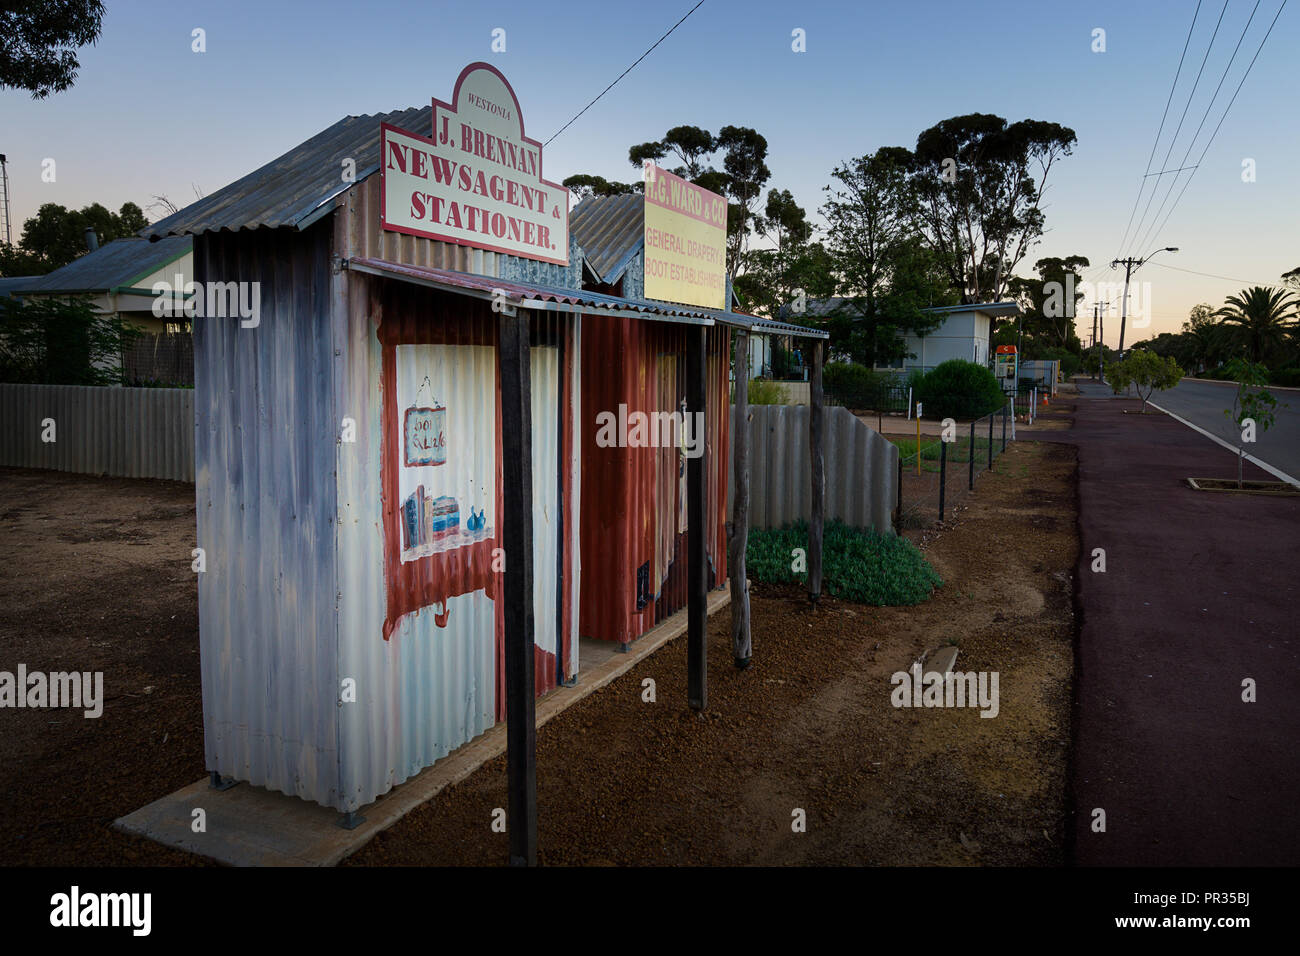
1261	318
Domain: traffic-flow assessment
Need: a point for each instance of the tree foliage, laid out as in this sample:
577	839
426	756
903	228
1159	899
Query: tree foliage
1145	371
39	39
980	182
1262	318
60	341
886	273
56	235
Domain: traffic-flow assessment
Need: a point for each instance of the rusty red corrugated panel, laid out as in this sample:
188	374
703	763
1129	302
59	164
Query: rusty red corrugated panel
633	498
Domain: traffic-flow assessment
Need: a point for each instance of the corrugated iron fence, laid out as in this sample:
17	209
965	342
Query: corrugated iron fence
123	432
861	469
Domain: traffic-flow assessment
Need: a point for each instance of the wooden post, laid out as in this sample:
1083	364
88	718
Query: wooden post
898	496
697	664
741	645
816	443
517	541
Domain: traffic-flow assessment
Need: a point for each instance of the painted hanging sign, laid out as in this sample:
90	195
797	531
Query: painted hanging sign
424	433
685	241
478	182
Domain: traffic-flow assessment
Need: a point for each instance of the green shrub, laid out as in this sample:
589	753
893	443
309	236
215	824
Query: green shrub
861	566
958	389
763	392
1285	377
854	385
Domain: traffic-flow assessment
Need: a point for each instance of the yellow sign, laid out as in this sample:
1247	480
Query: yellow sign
685	241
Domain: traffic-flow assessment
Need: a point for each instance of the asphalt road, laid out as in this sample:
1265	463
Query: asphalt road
1203	403
1187	770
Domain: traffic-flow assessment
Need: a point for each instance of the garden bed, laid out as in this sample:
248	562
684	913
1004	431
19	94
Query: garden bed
1275	488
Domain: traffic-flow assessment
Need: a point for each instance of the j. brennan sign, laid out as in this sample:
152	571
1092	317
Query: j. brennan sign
478	182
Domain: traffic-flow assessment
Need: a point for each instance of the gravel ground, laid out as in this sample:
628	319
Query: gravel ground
810	725
97	577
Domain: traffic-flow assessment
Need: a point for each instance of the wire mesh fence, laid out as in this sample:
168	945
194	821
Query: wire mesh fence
938	475
159	358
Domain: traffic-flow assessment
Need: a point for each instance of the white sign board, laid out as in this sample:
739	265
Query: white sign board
478	182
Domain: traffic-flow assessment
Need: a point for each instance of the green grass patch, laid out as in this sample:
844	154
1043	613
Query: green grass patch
861	566
958	451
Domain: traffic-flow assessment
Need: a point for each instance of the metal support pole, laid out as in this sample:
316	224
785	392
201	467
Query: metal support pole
943	474
990	441
1004	428
517	538
697	663
970	456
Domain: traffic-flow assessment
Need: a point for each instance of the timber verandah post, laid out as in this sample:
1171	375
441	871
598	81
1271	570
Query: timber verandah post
741	645
816	443
697	664
517	541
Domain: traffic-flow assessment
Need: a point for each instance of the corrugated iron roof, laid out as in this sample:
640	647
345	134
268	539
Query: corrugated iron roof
11	284
288	190
531	296
611	230
988	308
756	323
113	265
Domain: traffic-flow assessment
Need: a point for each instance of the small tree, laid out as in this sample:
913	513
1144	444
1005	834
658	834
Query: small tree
1256	407
60	341
1146	371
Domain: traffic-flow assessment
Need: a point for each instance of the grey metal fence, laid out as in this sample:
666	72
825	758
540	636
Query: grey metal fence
861	469
124	432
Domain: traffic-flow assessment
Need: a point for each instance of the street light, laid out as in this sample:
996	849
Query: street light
1131	266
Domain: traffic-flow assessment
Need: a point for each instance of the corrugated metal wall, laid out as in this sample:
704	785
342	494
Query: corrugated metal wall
265	493
122	432
861	468
429	689
634	511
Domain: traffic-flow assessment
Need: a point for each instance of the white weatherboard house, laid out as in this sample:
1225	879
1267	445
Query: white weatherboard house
966	333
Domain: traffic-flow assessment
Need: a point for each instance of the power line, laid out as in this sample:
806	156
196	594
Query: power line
1208	275
624	73
1186	107
1232	59
1226	110
1161	129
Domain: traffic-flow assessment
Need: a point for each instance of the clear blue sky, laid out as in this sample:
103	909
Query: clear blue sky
148	116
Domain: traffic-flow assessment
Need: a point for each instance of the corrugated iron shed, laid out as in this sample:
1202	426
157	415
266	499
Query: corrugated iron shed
114	265
611	231
295	189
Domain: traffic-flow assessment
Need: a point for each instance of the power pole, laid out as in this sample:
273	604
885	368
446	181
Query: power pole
1096	315
1131	266
1099	337
4	197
